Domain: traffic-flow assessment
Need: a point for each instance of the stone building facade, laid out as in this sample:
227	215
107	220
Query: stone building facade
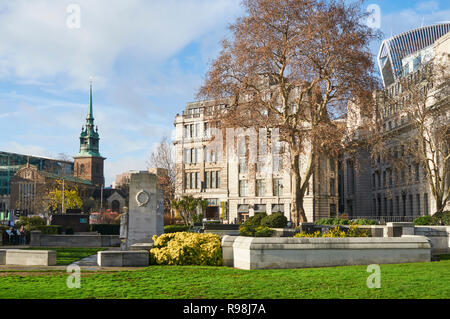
235	187
29	187
376	188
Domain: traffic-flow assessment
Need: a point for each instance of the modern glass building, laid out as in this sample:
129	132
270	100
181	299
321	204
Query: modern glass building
11	162
395	49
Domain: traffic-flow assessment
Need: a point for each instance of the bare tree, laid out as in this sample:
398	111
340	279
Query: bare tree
294	65
415	114
163	157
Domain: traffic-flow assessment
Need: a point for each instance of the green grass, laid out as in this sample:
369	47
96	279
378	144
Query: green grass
414	280
66	256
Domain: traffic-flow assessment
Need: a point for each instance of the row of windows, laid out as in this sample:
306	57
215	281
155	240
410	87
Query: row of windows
260	187
192	155
194	130
401	205
211	180
401	86
208	109
412	173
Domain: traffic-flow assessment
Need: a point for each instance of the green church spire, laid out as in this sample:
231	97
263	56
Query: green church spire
91	114
89	138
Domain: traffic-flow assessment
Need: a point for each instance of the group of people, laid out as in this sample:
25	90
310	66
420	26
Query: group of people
17	236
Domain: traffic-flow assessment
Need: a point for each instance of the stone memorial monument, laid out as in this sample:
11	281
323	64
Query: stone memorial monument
145	216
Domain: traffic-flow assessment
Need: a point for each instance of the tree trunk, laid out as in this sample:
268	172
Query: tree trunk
439	205
297	211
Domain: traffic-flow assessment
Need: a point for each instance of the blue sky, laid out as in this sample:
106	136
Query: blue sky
147	58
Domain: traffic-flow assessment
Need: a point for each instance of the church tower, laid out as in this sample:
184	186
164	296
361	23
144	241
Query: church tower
88	162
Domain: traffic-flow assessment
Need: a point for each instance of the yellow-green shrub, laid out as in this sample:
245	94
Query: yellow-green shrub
303	234
334	232
353	231
185	248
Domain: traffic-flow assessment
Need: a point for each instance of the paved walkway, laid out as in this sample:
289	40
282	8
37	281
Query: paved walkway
88	263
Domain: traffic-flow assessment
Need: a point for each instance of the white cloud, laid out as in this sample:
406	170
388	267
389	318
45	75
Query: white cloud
408	19
122	165
37	45
427	6
134	50
26	149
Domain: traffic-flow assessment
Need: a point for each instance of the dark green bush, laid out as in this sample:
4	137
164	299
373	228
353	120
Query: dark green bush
363	221
263	231
255	220
253	228
255	231
105	229
175	228
47	230
332	221
248	231
213	222
442	218
437	219
275	220
423	220
30	222
69	231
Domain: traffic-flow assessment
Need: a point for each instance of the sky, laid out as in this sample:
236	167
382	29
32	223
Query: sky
147	59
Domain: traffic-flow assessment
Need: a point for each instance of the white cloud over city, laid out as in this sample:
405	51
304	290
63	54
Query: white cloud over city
134	50
147	58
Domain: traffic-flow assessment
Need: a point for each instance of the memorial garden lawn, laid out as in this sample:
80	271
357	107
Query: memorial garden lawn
413	280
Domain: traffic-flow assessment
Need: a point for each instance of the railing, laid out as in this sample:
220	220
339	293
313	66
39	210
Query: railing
387	219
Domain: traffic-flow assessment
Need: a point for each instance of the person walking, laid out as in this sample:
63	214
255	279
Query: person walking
23	235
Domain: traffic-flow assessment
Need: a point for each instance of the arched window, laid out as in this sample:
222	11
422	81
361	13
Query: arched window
82	169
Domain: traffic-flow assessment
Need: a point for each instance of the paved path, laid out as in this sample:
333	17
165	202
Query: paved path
88	263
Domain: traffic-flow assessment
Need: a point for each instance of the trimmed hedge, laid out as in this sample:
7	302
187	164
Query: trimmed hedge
435	220
253	227
175	228
255	220
184	248
423	220
47	230
105	229
275	220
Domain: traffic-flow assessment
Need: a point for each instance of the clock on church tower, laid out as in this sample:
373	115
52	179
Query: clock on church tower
88	162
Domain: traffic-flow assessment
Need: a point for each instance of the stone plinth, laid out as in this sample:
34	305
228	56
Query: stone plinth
398	229
273	252
227	250
138	258
439	237
92	240
2	256
30	257
146	209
